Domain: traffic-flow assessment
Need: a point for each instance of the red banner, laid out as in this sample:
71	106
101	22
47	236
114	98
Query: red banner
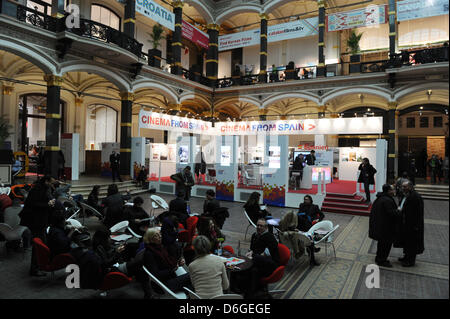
194	35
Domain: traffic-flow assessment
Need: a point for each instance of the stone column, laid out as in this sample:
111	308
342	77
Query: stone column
212	56
176	67
78	106
321	69
129	21
6	111
392	106
125	132
52	124
263	50
392	28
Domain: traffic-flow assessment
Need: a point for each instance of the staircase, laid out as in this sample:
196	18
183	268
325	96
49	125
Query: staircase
434	192
345	204
122	186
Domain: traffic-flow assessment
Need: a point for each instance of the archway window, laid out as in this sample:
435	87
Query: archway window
101	126
44	6
105	16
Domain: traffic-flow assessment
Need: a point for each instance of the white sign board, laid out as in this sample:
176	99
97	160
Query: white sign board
416	9
156	12
279	32
364	17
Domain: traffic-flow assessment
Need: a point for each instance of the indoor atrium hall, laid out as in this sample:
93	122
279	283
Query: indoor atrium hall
224	149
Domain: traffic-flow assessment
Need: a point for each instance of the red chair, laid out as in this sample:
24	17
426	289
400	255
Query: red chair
43	258
114	280
191	223
180	226
285	254
229	249
183	236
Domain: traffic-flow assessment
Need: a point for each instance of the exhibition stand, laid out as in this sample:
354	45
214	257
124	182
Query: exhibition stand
237	158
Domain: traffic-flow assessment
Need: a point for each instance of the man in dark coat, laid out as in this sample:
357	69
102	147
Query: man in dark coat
382	224
114	160
36	214
311	158
367	176
184	181
411	236
178	207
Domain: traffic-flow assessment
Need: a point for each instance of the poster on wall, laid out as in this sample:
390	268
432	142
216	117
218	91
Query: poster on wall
183	153
225	155
364	17
416	9
155	152
274	156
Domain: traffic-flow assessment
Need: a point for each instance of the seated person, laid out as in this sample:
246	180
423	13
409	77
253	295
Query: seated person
59	234
211	203
163	266
113	204
93	200
290	236
142	176
308	214
264	252
207	227
253	209
169	234
178	207
208	273
136	215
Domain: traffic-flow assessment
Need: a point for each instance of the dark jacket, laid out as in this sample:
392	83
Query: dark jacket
411	234
383	218
93	201
209	206
114	208
181	179
91	274
36	212
312	211
158	266
298	164
57	241
178	205
114	160
367	173
132	213
254	212
310	159
259	243
168	232
108	257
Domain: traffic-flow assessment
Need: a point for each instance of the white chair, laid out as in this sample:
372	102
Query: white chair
228	296
192	295
158	202
119	227
250	223
327	226
176	295
74	223
133	233
247	178
91	209
5	190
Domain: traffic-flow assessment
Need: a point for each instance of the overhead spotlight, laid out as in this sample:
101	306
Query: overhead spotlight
355	115
368	110
421	107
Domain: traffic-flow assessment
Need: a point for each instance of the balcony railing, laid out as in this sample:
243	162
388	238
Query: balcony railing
88	29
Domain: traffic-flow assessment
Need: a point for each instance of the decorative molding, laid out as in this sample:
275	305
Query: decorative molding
7	90
53	80
127	96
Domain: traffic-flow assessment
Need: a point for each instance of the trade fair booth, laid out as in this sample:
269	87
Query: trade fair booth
237	158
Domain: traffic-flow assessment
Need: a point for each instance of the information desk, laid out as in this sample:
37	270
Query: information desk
311	176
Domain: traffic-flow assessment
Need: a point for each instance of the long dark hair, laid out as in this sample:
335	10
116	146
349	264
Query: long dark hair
253	199
203	226
101	238
95	190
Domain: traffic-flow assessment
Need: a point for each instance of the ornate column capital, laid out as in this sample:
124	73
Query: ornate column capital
78	101
7	90
264	16
53	80
213	26
127	96
392	105
334	115
262	111
283	117
177	4
322	108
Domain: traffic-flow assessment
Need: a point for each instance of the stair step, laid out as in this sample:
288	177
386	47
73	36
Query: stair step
352	200
349	205
345	211
431	186
342	195
435	197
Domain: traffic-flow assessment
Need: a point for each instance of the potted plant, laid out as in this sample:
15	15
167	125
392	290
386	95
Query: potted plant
353	46
5	128
154	55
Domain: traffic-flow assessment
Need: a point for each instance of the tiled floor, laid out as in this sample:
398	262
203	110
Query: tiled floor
343	277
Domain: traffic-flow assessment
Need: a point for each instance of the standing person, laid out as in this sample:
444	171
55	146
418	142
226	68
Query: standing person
36	214
366	176
423	162
61	165
311	158
445	165
439	168
114	160
184	182
411	236
200	166
382	224
399	183
412	171
434	166
208	273
299	162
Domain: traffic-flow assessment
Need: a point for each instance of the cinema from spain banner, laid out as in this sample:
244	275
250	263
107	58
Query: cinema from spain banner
158	121
156	12
371	15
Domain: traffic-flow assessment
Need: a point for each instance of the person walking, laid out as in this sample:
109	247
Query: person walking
434	168
114	160
366	176
382	224
411	234
184	182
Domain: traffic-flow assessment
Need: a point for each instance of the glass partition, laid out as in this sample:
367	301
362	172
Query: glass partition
204	153
251	161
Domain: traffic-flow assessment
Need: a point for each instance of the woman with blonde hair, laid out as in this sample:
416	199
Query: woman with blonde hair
289	234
